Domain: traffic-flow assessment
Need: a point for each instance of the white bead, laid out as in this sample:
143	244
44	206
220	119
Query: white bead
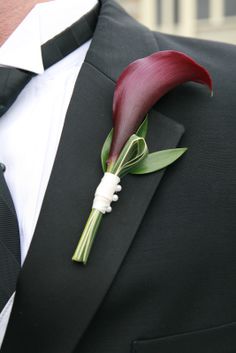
118	188
109	209
104	192
115	198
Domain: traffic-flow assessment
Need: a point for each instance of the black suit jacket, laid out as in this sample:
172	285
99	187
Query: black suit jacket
162	273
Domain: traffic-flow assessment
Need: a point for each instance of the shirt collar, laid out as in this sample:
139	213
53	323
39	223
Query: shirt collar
23	48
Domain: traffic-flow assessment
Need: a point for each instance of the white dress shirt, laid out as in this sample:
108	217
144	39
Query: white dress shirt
31	129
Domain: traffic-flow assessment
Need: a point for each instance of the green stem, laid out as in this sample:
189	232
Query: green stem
110	167
134	150
82	251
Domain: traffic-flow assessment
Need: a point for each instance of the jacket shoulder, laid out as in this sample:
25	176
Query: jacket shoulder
209	53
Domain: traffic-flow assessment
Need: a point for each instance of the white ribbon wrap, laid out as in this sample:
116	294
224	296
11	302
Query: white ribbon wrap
105	193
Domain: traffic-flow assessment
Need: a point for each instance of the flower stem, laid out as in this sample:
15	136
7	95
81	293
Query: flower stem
110	167
82	251
134	150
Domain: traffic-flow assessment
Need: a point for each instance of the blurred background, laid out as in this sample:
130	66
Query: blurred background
207	19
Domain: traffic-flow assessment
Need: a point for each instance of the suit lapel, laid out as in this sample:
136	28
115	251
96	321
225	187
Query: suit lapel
56	299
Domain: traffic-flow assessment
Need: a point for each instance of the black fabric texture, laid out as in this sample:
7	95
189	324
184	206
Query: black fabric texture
162	273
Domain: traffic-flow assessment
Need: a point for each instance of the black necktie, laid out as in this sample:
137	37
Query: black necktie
9	244
12	81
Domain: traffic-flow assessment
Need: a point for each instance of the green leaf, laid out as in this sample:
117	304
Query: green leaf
158	160
143	128
105	150
141	132
132	153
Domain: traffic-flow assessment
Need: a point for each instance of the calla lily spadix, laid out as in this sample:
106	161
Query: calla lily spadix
125	151
142	84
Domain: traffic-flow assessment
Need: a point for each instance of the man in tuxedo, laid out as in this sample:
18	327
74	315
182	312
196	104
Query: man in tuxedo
162	274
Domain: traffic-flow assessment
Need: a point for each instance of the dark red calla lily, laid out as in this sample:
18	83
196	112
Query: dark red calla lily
142	84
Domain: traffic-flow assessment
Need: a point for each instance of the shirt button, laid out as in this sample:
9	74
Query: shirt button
3	167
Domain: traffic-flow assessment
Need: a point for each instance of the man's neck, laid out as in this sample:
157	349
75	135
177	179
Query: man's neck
12	13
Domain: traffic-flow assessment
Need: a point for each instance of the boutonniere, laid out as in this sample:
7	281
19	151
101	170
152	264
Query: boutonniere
125	150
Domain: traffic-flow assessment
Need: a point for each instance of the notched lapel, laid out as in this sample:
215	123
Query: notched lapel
56	299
